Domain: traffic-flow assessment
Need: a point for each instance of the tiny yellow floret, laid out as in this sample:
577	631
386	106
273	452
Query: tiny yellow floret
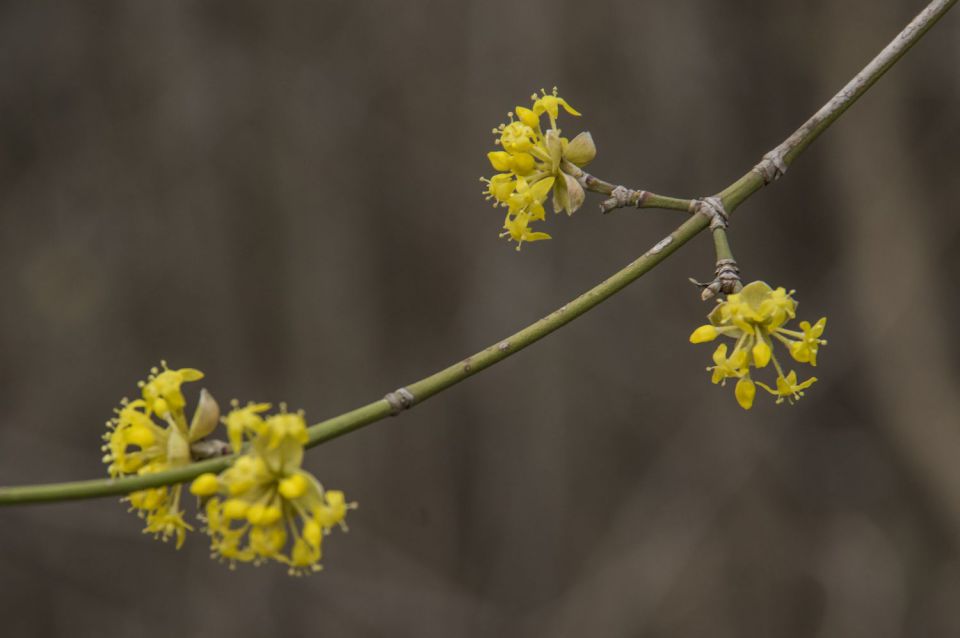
161	390
788	388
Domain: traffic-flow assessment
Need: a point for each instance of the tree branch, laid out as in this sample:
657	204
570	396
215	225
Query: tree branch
772	166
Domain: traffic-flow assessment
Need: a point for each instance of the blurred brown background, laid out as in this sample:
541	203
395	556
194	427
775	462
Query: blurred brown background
285	195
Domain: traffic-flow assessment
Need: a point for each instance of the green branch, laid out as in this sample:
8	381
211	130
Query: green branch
773	165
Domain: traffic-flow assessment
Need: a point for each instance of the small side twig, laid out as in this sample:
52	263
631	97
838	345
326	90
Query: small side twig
623	197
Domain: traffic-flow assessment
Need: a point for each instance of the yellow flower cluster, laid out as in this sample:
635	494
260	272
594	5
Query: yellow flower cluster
265	506
532	163
150	434
754	317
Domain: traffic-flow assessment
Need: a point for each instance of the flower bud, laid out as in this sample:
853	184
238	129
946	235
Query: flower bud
523	163
571	194
177	447
528	117
703	334
293	487
761	353
581	149
554	148
500	160
204	485
205	418
745	392
235	508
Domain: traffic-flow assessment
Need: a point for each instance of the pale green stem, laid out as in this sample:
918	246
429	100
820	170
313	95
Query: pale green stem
627	196
732	197
652	200
722	244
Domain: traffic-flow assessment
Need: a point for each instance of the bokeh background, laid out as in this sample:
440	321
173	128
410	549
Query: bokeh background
285	195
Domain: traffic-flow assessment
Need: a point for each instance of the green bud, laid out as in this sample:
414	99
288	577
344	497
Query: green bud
581	149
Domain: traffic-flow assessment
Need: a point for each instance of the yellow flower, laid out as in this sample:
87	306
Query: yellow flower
151	435
160	509
517	137
500	187
725	367
528	199
161	390
283	427
788	388
777	308
265	506
517	229
754	317
533	159
516	163
133	440
550	104
805	350
245	421
525	205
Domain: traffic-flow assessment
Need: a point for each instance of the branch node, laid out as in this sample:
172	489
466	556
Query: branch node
728	274
713	209
621	197
772	167
399	400
726	281
208	449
